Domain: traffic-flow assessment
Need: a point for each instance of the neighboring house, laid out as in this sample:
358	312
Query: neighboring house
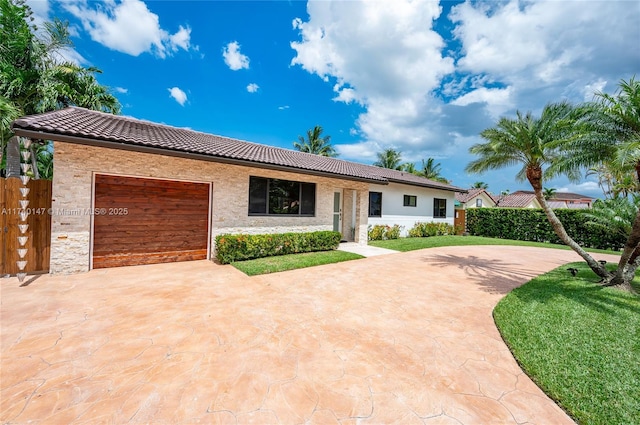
519	199
474	198
566	200
129	192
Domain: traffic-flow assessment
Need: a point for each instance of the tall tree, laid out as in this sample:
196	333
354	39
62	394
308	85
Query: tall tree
431	170
389	158
480	185
315	143
611	138
33	76
533	143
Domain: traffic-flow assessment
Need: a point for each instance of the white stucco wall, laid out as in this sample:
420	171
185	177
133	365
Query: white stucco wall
394	211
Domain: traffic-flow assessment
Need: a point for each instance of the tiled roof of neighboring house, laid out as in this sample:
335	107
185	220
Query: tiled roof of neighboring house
561	196
515	200
472	193
79	125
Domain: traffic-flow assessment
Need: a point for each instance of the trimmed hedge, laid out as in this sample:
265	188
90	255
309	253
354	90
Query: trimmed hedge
527	224
230	248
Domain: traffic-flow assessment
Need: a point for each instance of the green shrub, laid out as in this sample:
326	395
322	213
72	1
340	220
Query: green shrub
423	230
383	232
527	224
231	248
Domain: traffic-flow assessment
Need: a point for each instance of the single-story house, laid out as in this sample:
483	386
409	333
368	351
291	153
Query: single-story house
129	192
474	198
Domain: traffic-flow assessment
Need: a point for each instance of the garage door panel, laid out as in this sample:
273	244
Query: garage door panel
165	221
119	260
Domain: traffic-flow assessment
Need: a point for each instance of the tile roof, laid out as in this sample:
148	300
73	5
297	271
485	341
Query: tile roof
472	193
515	200
561	196
81	125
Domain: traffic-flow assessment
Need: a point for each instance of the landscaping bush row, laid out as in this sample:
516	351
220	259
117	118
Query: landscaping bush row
423	230
230	248
526	224
383	232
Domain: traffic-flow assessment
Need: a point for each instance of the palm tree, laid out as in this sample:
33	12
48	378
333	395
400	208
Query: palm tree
533	143
389	158
8	113
33	77
611	137
619	215
315	143
410	167
614	215
431	170
480	185
548	193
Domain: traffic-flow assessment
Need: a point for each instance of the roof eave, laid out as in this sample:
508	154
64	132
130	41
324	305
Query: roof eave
35	134
428	185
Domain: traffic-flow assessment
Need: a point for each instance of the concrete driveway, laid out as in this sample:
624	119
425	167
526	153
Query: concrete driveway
400	338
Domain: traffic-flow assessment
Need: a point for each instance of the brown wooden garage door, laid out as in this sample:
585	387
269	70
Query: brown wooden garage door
147	221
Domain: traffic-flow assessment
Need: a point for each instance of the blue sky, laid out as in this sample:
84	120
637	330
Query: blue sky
423	77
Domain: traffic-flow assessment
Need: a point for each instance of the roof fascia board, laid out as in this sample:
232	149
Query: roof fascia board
180	154
449	189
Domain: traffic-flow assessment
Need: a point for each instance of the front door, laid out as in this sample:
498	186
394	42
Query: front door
337	212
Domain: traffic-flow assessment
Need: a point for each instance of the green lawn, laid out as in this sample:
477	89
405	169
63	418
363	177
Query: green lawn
579	342
411	244
293	261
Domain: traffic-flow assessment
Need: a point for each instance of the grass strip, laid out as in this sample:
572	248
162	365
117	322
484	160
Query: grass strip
282	263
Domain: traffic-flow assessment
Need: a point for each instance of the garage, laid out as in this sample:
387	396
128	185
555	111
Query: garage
147	221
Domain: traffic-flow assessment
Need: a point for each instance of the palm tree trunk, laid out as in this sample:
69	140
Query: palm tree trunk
630	253
534	175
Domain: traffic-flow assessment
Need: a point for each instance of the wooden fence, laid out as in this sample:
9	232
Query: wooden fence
39	220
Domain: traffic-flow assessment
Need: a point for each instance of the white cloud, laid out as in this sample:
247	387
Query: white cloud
548	47
496	100
40	10
283	107
181	39
595	87
233	58
253	87
179	95
128	26
427	98
390	62
121	90
362	152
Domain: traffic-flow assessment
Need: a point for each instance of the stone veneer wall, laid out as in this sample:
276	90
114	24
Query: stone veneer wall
72	194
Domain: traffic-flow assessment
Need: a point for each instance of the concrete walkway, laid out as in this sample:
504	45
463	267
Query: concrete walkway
364	250
405	338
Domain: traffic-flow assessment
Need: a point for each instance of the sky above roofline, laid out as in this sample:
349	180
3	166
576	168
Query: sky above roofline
423	77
